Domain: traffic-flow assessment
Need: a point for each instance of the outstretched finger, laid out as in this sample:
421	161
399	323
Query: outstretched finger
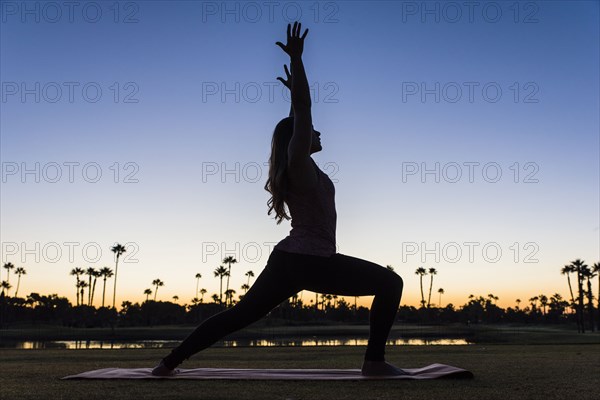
299	29
288	31
305	33
287	72
294	29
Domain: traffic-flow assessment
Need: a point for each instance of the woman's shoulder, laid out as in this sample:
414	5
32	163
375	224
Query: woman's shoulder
299	180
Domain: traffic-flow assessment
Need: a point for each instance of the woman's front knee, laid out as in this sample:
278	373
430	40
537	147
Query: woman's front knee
395	283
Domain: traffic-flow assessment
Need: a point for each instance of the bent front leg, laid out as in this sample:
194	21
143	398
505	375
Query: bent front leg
351	276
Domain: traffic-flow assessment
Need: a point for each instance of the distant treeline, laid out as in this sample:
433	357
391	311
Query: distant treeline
39	309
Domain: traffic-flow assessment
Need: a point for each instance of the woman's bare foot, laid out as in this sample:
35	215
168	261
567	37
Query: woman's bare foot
380	368
162	370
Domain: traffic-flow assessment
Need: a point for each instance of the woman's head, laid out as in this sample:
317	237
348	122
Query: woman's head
277	181
283	134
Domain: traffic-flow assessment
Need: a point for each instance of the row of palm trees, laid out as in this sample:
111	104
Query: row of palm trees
81	284
221	272
93	275
103	273
583	274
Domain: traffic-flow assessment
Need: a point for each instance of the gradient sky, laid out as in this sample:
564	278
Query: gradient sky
164	118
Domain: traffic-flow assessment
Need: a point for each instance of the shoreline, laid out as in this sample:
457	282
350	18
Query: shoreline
475	333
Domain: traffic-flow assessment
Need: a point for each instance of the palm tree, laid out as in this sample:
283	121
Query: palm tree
441	292
90	272
8	267
432	272
518	301
175	298
216	298
579	266
157	283
5	285
97	274
245	288
221	272
82	285
105	273
202	292
421	272
198	276
566	270
19	271
118	250
229	260
147	292
249	274
77	272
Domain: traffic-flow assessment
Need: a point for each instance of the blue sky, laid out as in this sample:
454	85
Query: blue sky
164	119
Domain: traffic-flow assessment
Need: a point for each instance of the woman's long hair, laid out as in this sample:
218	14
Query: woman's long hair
277	182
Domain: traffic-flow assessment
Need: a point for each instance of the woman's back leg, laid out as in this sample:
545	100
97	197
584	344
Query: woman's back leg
271	288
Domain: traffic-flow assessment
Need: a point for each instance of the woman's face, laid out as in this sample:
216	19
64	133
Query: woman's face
316	141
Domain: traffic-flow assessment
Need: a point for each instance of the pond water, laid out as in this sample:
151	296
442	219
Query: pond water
287	342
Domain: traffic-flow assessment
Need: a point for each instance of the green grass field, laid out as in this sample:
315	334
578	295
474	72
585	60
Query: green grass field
501	372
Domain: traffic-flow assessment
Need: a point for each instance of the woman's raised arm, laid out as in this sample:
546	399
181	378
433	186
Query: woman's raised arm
300	144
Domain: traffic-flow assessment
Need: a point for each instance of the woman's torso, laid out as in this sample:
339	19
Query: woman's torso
313	219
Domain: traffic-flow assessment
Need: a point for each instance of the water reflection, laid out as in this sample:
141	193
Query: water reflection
154	344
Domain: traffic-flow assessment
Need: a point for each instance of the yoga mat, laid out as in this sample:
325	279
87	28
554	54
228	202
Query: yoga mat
433	371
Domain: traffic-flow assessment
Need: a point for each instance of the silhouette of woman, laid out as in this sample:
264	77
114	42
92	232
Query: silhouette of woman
307	258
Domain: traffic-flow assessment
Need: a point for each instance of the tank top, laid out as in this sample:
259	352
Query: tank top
313	219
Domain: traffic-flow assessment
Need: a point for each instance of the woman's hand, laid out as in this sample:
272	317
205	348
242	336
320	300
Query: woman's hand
287	83
295	43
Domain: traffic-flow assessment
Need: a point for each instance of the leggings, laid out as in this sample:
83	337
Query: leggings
289	273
